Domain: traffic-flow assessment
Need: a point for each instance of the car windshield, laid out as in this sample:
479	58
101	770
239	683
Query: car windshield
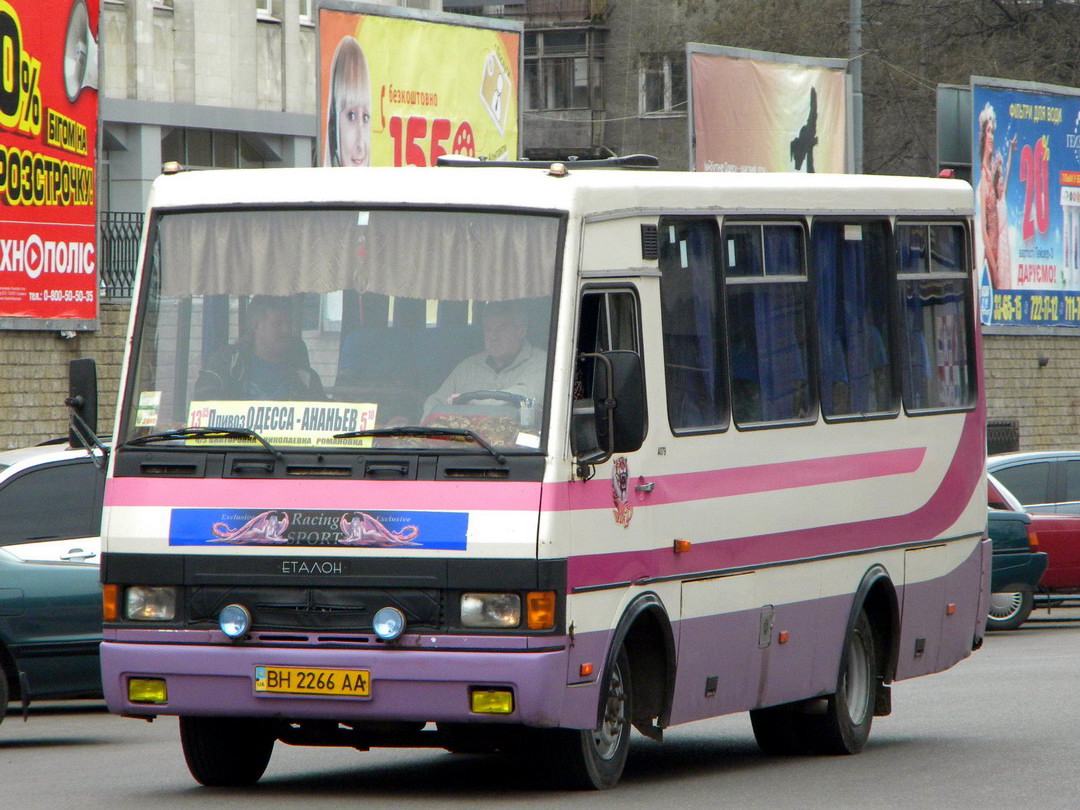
311	326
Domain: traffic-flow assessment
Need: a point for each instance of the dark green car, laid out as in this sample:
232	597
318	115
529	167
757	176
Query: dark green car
1016	568
50	591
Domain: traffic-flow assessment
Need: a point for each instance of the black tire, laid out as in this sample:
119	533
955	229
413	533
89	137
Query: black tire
849	713
226	751
1010	609
837	724
594	759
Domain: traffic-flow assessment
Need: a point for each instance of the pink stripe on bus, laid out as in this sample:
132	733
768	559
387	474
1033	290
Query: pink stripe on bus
308	494
465	495
925	523
757	478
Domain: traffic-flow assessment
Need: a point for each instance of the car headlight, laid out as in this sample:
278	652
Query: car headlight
490	610
143	603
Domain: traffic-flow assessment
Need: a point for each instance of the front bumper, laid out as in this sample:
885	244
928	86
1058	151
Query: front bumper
406	684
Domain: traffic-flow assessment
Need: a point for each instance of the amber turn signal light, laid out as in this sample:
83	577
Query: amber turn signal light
541	606
110	602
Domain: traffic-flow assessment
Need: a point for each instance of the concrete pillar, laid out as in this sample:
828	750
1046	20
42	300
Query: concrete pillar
133	169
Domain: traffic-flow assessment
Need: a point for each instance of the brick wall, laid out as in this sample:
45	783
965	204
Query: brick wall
1044	399
33	377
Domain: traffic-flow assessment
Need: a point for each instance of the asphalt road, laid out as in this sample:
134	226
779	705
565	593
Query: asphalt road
998	730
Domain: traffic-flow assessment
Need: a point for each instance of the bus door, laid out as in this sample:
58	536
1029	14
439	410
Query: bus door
611	526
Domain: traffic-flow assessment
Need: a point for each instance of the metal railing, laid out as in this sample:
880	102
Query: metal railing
118	252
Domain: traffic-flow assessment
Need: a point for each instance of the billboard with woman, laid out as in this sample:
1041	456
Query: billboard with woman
1026	174
398	87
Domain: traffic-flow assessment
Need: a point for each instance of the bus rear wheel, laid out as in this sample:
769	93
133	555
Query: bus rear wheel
838	724
593	759
845	726
226	751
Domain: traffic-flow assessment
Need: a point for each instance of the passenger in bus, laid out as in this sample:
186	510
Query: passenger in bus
268	363
508	362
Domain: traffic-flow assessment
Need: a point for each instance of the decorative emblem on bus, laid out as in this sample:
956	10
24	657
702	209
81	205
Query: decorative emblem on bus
361	529
620	491
266	527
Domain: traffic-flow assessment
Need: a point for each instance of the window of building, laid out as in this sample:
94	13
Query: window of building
560	71
269	10
209	149
937	364
307	12
692	318
662	84
767	322
851	263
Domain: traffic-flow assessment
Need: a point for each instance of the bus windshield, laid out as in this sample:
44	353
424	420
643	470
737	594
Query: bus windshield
315	327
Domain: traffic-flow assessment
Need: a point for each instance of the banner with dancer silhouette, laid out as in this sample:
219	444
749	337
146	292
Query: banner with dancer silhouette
766	112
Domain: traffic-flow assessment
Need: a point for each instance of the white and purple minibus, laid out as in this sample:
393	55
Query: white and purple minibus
497	458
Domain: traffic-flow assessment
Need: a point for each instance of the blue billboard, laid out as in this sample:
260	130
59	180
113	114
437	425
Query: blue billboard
1026	175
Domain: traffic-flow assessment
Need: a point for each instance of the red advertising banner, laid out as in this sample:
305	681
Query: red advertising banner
48	153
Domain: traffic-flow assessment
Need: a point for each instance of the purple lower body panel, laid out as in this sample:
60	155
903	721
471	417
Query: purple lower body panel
408	685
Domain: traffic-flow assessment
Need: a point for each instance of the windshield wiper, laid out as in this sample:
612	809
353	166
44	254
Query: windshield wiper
206	433
423	431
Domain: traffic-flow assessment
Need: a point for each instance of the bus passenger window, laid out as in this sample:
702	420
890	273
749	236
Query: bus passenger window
767	322
937	363
851	269
692	323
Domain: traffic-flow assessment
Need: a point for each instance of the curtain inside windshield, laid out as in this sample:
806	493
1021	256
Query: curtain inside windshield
306	325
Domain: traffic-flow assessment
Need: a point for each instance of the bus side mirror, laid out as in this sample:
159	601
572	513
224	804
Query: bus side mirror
82	402
613	419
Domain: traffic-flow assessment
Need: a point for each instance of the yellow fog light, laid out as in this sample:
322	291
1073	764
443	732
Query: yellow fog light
147	690
492	701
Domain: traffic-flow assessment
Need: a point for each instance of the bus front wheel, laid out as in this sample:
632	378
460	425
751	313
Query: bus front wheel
593	759
226	751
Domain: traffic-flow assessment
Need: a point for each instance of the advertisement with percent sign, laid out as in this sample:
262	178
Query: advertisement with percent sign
1026	175
404	88
48	149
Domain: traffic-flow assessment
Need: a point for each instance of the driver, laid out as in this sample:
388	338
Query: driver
508	363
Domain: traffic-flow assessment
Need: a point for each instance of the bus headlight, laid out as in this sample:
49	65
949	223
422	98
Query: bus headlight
143	603
490	610
234	620
388	623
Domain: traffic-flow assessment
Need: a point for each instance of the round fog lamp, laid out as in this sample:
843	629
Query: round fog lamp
389	623
235	620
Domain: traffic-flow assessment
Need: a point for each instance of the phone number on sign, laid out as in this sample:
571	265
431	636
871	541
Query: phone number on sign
78	296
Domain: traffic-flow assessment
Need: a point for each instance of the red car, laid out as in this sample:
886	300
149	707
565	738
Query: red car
1058	535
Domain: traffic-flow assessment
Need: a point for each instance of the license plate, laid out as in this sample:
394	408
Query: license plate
309	681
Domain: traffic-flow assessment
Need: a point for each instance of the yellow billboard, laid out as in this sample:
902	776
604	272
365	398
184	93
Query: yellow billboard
401	88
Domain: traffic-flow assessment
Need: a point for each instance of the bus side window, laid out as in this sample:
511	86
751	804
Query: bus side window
934	291
851	266
766	294
692	317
